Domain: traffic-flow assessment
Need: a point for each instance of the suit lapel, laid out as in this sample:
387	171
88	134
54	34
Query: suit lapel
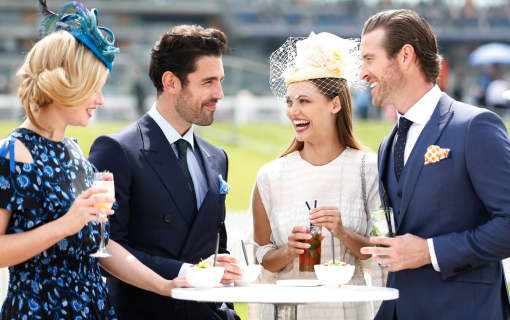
210	165
384	151
429	136
209	215
162	159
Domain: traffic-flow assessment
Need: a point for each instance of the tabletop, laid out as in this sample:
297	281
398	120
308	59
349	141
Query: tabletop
271	293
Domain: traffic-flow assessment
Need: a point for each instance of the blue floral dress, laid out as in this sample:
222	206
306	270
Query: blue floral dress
62	282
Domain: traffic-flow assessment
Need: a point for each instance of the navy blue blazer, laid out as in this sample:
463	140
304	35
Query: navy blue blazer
463	203
155	218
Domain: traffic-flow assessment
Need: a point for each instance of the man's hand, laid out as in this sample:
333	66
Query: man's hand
403	252
232	270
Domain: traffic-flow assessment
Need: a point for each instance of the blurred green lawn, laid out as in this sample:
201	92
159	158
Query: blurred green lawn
248	147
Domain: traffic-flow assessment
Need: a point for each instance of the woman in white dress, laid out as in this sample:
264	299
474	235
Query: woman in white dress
325	163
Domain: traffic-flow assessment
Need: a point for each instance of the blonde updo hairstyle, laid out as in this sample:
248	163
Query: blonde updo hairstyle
58	69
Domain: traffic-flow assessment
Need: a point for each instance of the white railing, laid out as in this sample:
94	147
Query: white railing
242	108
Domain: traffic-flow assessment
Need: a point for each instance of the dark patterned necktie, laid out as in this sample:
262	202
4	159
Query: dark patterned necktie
182	148
398	153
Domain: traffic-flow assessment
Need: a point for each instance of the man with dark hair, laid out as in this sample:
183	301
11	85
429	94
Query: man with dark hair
444	169
168	180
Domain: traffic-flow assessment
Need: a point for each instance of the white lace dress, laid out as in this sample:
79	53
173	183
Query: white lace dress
285	184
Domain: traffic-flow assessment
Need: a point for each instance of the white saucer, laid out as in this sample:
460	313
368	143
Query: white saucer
218	285
299	283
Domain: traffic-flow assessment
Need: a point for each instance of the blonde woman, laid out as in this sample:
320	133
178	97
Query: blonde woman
324	163
48	226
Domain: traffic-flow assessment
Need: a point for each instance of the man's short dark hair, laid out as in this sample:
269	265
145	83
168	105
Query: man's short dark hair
179	48
408	27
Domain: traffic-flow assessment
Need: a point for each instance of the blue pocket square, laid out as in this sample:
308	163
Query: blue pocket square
224	186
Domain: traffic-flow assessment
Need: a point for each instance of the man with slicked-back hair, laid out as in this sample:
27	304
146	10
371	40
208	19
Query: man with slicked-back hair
444	169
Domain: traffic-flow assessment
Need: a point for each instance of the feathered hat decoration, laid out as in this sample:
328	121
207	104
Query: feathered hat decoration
75	18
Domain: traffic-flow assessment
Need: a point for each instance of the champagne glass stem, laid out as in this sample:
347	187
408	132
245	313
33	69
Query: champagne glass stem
101	244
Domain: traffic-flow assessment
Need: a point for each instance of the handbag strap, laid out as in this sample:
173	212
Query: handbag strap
363	182
364	189
8	149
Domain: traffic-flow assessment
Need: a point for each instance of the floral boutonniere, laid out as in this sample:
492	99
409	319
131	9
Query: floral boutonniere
224	186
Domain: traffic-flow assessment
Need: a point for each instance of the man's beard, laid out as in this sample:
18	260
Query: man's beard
193	111
393	80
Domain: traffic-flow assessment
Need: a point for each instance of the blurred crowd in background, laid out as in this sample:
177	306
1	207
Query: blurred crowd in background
255	29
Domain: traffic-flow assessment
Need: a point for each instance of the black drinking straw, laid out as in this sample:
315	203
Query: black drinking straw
314	206
333	247
216	250
309	209
387	213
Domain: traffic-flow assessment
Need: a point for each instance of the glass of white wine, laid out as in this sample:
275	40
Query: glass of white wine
103	180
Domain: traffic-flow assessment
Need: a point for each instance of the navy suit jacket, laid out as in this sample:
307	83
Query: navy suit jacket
155	218
463	204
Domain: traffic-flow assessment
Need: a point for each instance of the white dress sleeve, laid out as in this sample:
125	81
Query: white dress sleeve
263	186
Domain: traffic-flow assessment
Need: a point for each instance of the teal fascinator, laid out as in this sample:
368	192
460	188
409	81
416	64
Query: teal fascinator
75	18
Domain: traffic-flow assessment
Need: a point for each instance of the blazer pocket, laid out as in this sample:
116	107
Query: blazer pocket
437	163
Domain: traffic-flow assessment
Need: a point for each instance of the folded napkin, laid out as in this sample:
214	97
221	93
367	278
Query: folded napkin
224	186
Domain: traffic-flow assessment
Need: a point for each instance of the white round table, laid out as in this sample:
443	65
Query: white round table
284	295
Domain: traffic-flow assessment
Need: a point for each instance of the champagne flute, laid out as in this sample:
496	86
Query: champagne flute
103	180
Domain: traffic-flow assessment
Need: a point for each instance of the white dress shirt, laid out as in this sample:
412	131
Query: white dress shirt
194	167
420	114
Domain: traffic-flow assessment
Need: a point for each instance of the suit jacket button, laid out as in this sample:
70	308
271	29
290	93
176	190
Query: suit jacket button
167	219
399	194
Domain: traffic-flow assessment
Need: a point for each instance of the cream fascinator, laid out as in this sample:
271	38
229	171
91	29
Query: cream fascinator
322	55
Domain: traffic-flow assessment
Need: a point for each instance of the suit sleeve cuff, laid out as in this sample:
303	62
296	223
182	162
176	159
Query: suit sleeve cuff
432	252
183	268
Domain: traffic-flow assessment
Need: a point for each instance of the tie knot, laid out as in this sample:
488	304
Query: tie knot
182	147
403	125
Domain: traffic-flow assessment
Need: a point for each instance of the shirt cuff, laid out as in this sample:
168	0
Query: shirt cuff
262	250
432	252
183	267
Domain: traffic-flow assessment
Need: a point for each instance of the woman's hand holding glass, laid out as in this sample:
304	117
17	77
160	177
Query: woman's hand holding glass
103	180
295	243
328	217
83	210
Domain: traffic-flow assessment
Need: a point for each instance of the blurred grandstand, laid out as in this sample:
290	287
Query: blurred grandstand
255	29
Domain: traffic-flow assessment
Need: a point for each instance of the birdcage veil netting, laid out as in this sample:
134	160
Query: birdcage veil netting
321	57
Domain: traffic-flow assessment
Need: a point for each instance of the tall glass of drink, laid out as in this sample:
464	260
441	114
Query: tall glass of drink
103	180
312	255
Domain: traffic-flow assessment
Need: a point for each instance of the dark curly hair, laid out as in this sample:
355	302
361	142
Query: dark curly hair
180	47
